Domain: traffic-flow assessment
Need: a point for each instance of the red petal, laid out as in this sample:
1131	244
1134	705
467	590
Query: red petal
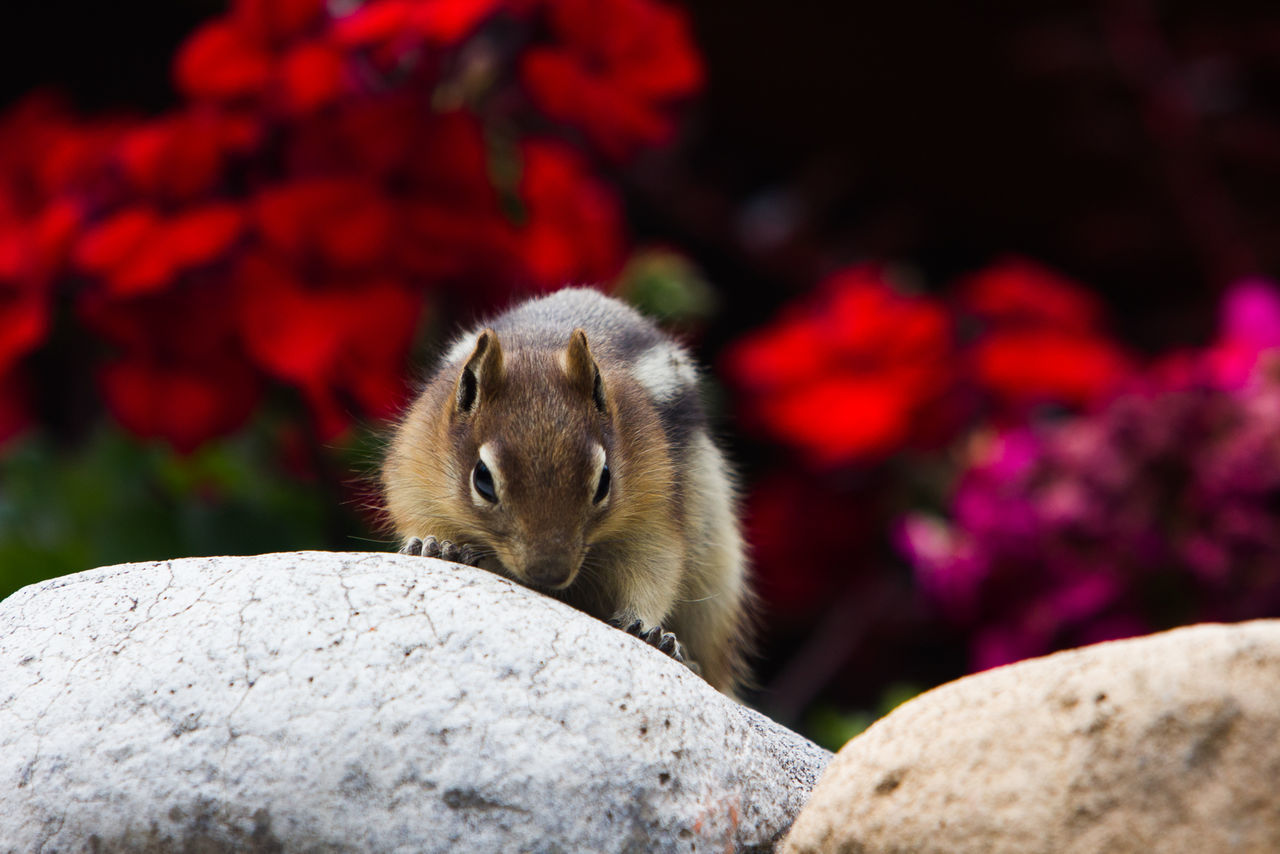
186	405
362	236
439	242
448	21
149	269
614	69
840	419
290	331
24	321
372	23
220	61
1039	366
177	157
789	352
14	252
112	242
203	234
574	229
614	119
344	222
311	75
52	236
379	319
1016	290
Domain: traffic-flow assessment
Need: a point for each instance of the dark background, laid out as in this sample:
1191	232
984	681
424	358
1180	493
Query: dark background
1132	144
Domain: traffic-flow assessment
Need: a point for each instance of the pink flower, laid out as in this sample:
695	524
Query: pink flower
1248	327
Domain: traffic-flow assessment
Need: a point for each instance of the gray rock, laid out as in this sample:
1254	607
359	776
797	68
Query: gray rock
1167	743
364	702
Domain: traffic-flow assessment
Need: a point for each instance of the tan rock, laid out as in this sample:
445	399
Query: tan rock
1167	743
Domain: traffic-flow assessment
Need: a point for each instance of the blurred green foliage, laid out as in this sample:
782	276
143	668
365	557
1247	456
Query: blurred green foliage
667	287
832	728
115	499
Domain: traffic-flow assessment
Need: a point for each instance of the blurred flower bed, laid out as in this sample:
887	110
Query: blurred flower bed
208	314
324	177
993	473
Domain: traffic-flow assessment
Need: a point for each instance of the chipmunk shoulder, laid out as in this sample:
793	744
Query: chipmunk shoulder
563	444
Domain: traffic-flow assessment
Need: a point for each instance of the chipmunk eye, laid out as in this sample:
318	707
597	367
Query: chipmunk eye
483	480
602	489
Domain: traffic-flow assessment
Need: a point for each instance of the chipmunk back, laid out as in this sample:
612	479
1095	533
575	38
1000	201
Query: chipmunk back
564	445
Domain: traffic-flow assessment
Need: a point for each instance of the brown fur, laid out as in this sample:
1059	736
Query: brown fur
662	548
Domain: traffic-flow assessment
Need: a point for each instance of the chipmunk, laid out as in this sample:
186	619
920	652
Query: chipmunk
563	445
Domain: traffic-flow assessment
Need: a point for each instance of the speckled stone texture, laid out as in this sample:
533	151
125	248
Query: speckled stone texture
364	702
1168	743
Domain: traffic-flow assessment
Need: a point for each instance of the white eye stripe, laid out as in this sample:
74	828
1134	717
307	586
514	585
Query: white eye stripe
491	462
597	467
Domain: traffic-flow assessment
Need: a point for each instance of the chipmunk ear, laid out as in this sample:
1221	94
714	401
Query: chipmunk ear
583	371
481	375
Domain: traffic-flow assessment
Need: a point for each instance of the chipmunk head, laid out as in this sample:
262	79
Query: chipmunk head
532	435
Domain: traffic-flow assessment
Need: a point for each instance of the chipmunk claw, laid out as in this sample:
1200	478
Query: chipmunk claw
442	549
660	640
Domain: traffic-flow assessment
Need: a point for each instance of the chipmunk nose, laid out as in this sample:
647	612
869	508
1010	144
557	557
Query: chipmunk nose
554	571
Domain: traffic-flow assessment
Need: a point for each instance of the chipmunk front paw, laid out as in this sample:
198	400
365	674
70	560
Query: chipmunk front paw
442	549
657	638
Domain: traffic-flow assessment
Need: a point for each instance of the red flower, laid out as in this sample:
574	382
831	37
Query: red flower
373	23
260	49
182	156
24	319
1036	366
288	218
1018	292
454	225
135	251
47	154
377	140
1041	339
339	338
293	332
443	22
222	61
448	21
617	69
847	375
311	75
109	249
202	234
184	404
32	251
338	221
180	373
574	228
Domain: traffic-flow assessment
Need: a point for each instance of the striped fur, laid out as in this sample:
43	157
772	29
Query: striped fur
664	547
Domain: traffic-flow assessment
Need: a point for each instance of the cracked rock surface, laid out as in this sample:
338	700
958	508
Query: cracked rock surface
1168	743
364	702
